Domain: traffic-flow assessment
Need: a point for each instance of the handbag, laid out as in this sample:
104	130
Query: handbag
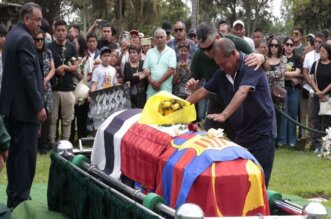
278	93
325	106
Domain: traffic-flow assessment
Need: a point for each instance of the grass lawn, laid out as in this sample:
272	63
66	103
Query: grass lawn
295	172
301	173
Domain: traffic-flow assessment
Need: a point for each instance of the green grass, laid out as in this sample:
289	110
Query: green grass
301	173
295	172
42	170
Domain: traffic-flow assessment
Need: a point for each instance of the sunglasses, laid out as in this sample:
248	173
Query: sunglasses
296	33
39	39
3	35
274	45
207	48
289	44
178	29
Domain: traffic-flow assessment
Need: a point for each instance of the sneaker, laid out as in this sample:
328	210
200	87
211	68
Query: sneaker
292	145
317	151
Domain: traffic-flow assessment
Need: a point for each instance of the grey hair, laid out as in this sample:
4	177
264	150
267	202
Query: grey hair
205	31
27	10
160	30
226	46
182	23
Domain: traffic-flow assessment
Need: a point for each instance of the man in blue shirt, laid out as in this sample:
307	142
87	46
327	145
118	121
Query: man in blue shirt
247	96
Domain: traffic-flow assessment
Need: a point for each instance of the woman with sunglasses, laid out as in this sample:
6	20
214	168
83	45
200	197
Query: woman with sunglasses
277	62
293	86
48	69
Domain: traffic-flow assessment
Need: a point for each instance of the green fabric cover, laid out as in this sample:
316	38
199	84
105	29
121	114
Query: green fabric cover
77	196
272	197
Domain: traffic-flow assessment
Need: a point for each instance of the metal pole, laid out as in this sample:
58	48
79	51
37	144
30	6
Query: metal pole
120	195
122	187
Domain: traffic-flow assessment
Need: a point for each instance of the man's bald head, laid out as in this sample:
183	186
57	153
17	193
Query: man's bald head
225	46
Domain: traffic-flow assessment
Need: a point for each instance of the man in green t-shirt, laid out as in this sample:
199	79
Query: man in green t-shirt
203	66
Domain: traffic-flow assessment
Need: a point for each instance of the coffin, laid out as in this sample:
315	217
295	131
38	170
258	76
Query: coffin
223	178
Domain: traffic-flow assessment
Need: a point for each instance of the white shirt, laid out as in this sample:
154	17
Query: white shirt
250	43
310	58
105	77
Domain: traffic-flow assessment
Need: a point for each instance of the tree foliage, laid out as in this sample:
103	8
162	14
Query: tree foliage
255	13
312	15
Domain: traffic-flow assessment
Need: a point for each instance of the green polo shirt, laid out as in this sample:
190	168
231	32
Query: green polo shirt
204	67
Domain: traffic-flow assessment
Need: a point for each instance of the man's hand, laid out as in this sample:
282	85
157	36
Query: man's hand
184	65
42	116
192	85
255	59
217	117
156	85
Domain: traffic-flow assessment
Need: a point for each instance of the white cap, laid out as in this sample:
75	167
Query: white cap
238	22
141	35
311	35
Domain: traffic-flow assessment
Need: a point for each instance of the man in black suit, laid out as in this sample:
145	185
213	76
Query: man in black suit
21	102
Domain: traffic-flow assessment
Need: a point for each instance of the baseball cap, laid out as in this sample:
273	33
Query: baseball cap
3	29
141	35
166	25
192	31
104	49
134	32
238	22
311	35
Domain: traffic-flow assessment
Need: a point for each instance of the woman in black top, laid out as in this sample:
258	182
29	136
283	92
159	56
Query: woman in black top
321	78
134	76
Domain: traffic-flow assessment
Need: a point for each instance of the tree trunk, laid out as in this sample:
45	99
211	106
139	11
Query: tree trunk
195	12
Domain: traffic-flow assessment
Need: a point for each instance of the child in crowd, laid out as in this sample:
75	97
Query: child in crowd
104	76
114	62
183	72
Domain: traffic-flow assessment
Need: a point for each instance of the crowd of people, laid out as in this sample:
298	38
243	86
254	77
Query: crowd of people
228	75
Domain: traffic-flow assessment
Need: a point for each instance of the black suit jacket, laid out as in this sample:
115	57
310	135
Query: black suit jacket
22	81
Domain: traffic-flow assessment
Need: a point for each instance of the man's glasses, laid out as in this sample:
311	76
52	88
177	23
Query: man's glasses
274	45
3	35
296	33
39	39
178	29
207	48
289	44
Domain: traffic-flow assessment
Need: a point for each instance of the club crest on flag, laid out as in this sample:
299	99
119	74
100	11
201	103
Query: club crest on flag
200	142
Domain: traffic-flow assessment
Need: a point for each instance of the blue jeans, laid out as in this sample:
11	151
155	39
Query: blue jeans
287	132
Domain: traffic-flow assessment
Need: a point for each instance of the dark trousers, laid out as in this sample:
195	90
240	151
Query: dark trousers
138	100
21	163
81	118
263	149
